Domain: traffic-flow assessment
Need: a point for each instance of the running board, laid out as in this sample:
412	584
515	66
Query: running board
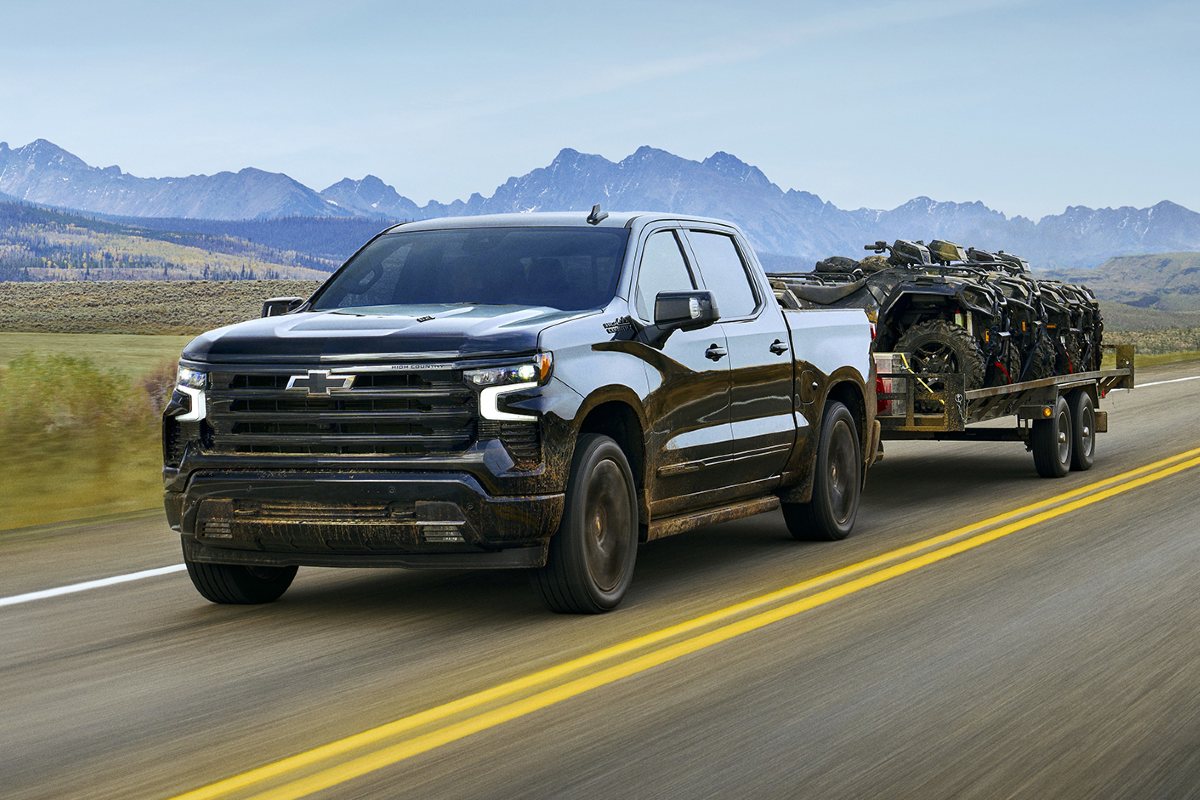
669	526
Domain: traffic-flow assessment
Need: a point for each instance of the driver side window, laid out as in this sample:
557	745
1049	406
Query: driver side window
663	269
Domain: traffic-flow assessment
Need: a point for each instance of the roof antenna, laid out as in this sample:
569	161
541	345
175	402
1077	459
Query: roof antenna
597	216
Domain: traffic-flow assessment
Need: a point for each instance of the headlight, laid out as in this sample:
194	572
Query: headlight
191	378
192	383
494	382
536	371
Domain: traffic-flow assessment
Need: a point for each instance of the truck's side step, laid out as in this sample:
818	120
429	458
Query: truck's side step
669	526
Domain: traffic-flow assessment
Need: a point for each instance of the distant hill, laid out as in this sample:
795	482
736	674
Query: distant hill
790	225
1164	282
39	244
319	242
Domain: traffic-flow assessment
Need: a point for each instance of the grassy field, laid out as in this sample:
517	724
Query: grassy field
1152	359
79	422
147	307
133	356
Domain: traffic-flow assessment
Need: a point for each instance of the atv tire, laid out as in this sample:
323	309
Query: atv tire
937	346
1043	361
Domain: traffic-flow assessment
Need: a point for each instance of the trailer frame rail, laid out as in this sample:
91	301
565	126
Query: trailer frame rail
900	416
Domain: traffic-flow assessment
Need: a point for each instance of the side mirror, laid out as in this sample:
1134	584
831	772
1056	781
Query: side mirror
280	305
685	311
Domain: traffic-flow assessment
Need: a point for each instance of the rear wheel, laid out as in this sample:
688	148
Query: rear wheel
239	584
1083	428
837	481
590	563
1052	441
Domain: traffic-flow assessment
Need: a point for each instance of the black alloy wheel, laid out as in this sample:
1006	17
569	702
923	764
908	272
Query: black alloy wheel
590	562
837	481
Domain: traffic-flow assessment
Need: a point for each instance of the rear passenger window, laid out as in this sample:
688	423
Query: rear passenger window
724	273
663	270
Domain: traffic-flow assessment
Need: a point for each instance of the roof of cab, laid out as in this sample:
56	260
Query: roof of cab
543	219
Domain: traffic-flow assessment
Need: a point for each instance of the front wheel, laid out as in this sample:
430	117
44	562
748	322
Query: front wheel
239	584
837	481
590	563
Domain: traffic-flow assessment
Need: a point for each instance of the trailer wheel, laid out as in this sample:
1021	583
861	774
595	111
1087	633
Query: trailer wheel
239	584
1052	442
590	563
837	482
1083	426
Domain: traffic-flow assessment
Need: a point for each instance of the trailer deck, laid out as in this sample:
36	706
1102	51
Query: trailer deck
910	409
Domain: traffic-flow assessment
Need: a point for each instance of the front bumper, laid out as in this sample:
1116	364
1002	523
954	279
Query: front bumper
359	519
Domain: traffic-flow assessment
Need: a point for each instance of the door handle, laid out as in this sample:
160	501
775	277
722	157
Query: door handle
779	347
715	352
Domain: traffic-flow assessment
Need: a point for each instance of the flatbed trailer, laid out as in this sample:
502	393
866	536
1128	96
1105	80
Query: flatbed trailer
1057	418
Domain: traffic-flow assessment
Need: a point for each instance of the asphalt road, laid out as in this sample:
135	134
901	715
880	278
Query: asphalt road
1032	656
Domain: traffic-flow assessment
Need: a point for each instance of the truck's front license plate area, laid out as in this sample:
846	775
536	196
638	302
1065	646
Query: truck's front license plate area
372	527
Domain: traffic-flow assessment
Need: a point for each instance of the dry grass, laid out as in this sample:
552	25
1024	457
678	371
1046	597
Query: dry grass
79	440
146	307
1162	341
130	355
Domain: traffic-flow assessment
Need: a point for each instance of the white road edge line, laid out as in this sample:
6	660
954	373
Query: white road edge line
1161	383
100	583
1173	380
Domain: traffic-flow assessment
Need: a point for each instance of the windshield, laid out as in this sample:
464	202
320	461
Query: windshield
569	269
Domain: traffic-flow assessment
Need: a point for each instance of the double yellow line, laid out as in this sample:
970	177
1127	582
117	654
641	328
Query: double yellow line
345	759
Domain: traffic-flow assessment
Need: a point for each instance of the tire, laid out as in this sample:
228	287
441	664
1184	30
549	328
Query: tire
837	482
1075	354
590	563
238	584
1052	442
1083	431
939	346
1042	361
1011	372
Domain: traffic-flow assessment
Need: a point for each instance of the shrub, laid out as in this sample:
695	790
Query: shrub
79	441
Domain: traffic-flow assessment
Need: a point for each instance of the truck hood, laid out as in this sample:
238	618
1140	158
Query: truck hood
378	332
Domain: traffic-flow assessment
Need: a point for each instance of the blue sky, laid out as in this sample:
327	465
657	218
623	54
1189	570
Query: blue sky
1027	106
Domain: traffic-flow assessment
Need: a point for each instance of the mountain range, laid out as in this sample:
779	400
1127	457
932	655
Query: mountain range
792	227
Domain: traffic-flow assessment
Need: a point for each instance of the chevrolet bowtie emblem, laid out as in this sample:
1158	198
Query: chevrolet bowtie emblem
319	381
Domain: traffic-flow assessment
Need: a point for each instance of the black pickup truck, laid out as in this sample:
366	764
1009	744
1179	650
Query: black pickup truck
539	391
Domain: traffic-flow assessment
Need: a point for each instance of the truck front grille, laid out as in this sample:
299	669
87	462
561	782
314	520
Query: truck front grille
395	412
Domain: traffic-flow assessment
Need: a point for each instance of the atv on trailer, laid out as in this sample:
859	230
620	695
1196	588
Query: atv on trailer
956	311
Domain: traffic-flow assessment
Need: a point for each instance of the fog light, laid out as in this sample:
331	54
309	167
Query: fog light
441	533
